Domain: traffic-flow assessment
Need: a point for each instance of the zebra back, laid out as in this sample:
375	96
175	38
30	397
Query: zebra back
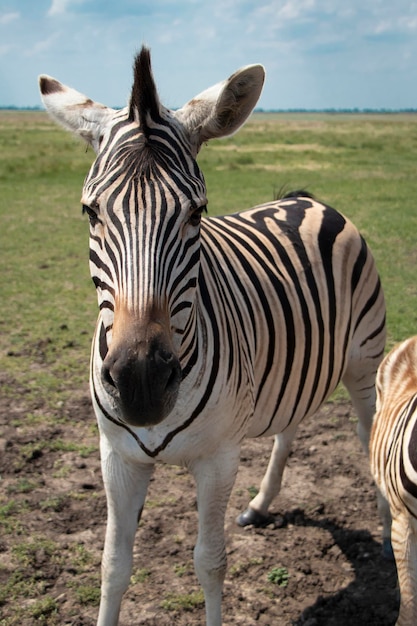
297	298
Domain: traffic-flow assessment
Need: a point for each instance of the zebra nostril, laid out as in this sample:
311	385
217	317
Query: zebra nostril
174	377
107	377
169	367
164	357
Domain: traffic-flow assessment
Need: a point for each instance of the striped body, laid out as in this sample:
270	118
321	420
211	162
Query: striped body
210	330
393	451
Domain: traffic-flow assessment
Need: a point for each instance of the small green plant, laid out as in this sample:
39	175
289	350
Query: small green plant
87	592
54	503
84	451
26	576
154	503
16	585
61	470
81	557
22	486
237	569
44	608
27	554
8	510
140	576
180	570
240	567
185	601
278	576
253	491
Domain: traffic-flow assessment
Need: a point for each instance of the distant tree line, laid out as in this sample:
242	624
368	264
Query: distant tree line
261	110
334	110
12	107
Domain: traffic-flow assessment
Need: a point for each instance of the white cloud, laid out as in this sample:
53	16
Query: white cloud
59	7
6	18
42	45
293	9
5	49
317	53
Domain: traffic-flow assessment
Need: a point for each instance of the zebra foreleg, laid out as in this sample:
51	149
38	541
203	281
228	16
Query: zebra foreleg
257	511
214	478
126	486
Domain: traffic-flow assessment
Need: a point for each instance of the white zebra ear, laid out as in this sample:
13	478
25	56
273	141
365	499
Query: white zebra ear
74	111
222	109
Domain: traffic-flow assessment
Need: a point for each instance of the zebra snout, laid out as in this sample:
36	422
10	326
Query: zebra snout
144	387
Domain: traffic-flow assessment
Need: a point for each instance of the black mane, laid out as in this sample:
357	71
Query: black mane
144	101
297	193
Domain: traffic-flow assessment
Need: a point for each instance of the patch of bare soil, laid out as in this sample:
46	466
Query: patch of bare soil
327	535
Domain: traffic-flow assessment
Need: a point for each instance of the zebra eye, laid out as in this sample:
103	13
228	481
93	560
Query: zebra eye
92	215
195	217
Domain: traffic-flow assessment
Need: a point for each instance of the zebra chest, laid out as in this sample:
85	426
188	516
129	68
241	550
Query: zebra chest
201	419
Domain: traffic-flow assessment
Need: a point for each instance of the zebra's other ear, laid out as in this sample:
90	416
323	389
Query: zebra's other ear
74	110
222	109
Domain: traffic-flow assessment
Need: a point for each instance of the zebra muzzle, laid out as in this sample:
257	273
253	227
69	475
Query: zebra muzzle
144	384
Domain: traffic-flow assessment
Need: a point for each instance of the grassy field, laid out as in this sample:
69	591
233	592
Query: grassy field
362	165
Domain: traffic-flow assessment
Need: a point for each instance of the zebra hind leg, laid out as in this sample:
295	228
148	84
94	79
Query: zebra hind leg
363	396
257	512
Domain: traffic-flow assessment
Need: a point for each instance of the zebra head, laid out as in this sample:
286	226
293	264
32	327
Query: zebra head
144	197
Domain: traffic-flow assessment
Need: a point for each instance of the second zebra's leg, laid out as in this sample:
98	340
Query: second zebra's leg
215	478
257	511
404	543
363	395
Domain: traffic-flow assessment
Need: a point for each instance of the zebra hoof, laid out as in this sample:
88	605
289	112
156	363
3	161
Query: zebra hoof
250	517
387	551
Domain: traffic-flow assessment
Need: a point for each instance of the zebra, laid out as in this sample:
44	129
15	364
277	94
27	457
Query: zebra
393	454
210	329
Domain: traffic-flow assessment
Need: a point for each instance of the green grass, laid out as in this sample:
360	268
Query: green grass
363	165
48	302
26	580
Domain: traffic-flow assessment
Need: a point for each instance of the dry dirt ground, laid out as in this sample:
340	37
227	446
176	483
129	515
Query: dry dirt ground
326	536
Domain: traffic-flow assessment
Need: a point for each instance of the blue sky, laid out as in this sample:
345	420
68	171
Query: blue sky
317	53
